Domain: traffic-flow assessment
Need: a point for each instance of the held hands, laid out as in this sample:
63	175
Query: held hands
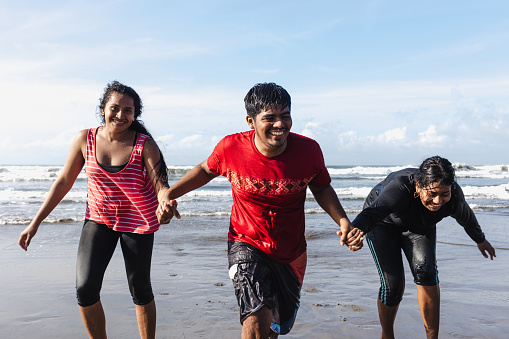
484	247
350	236
166	210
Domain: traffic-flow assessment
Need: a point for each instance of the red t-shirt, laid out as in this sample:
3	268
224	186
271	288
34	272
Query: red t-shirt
269	192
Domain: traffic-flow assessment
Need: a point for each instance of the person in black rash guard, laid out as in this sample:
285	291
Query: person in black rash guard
401	213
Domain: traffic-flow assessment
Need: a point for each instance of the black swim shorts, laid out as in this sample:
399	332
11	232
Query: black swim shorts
260	281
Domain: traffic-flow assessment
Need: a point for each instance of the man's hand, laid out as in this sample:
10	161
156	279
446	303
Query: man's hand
354	239
350	236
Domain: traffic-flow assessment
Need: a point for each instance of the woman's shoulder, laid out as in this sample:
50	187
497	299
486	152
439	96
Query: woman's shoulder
82	136
150	147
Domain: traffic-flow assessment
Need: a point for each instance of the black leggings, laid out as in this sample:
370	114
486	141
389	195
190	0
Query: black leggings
97	244
385	243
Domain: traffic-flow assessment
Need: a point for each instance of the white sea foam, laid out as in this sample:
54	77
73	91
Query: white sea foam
491	171
486	192
208	193
15	196
31	173
364	171
42	173
354	192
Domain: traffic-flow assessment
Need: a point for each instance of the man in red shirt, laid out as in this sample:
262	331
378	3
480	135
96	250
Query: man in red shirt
270	169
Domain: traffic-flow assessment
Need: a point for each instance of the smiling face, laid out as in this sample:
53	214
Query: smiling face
119	112
434	196
271	130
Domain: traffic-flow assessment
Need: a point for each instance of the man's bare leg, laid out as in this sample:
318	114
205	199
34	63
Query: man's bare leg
257	325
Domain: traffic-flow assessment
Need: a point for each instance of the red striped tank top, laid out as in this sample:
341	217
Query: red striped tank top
125	201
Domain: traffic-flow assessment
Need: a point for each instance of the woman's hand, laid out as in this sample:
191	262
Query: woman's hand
484	247
26	236
355	239
350	236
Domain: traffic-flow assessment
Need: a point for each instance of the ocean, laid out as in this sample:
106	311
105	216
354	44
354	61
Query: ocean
23	189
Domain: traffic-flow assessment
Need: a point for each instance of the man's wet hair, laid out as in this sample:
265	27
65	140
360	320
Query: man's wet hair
265	96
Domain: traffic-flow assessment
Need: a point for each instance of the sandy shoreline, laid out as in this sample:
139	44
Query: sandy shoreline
195	298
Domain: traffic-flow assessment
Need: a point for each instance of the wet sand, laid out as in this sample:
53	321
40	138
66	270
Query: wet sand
195	297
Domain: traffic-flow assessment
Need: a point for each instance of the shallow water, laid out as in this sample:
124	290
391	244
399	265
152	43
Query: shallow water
195	297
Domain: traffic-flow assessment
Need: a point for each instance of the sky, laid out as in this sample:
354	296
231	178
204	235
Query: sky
374	82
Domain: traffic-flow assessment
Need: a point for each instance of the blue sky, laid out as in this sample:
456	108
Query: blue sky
374	82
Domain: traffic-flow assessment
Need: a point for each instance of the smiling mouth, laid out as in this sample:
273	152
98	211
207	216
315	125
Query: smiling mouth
277	133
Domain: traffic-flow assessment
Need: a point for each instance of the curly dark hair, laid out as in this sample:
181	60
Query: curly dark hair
265	96
137	125
435	170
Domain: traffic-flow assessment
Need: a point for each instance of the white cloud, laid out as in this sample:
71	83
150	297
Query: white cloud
351	139
392	136
431	137
165	138
197	142
309	130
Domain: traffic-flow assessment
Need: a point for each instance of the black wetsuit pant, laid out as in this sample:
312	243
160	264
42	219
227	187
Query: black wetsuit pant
97	244
386	243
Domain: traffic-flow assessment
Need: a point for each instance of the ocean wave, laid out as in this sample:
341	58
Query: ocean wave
489	207
205	193
485	171
363	171
378	172
17	196
486	192
353	192
348	210
50	220
50	173
32	173
205	213
343	193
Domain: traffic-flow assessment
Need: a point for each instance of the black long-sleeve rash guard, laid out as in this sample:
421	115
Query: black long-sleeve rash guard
392	203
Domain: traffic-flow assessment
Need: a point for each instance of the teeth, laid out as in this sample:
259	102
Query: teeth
279	133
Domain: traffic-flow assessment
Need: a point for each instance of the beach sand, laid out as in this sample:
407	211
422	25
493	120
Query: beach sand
195	298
